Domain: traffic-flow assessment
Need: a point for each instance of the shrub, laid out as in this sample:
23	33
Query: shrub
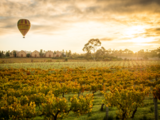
66	59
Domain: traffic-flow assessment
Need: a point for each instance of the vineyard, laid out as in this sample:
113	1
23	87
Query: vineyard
58	65
122	90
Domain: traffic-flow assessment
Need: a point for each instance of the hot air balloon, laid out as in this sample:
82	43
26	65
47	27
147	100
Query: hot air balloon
23	26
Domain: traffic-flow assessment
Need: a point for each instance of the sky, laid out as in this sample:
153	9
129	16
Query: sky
70	24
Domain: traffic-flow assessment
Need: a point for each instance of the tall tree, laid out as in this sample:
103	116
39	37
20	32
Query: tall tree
14	54
1	53
41	53
92	46
69	53
63	53
100	53
66	53
7	53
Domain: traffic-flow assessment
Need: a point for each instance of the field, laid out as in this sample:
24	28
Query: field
33	60
43	82
45	63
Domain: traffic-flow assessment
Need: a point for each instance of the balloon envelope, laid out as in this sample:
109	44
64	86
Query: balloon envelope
23	26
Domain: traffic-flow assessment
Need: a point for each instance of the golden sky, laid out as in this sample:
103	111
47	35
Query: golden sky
69	24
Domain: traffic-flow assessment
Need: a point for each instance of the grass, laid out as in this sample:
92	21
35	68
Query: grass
31	60
73	64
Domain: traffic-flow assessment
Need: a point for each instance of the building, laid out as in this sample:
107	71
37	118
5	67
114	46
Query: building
49	54
35	54
14	53
57	54
22	53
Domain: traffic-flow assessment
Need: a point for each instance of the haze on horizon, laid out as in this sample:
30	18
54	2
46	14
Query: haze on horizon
69	24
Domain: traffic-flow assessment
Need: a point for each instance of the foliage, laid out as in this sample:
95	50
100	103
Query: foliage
14	54
41	53
92	45
28	55
126	100
28	93
7	54
1	54
156	91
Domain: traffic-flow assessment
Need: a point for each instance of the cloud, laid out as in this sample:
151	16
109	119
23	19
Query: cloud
47	29
56	15
154	42
144	2
89	8
107	39
129	5
152	32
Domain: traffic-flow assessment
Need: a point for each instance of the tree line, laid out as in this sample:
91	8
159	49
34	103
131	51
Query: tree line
95	51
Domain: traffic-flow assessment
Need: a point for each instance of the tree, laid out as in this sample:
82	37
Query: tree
41	53
28	55
54	52
153	53
126	100
1	53
69	53
66	53
7	54
63	53
130	52
14	54
55	107
100	53
126	51
92	46
141	53
115	53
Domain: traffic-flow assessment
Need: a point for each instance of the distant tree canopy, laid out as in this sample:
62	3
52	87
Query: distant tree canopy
101	53
41	53
14	54
1	53
28	55
7	53
158	52
95	51
92	46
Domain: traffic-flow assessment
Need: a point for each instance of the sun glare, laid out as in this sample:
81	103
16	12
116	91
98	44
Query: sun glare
132	31
142	40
